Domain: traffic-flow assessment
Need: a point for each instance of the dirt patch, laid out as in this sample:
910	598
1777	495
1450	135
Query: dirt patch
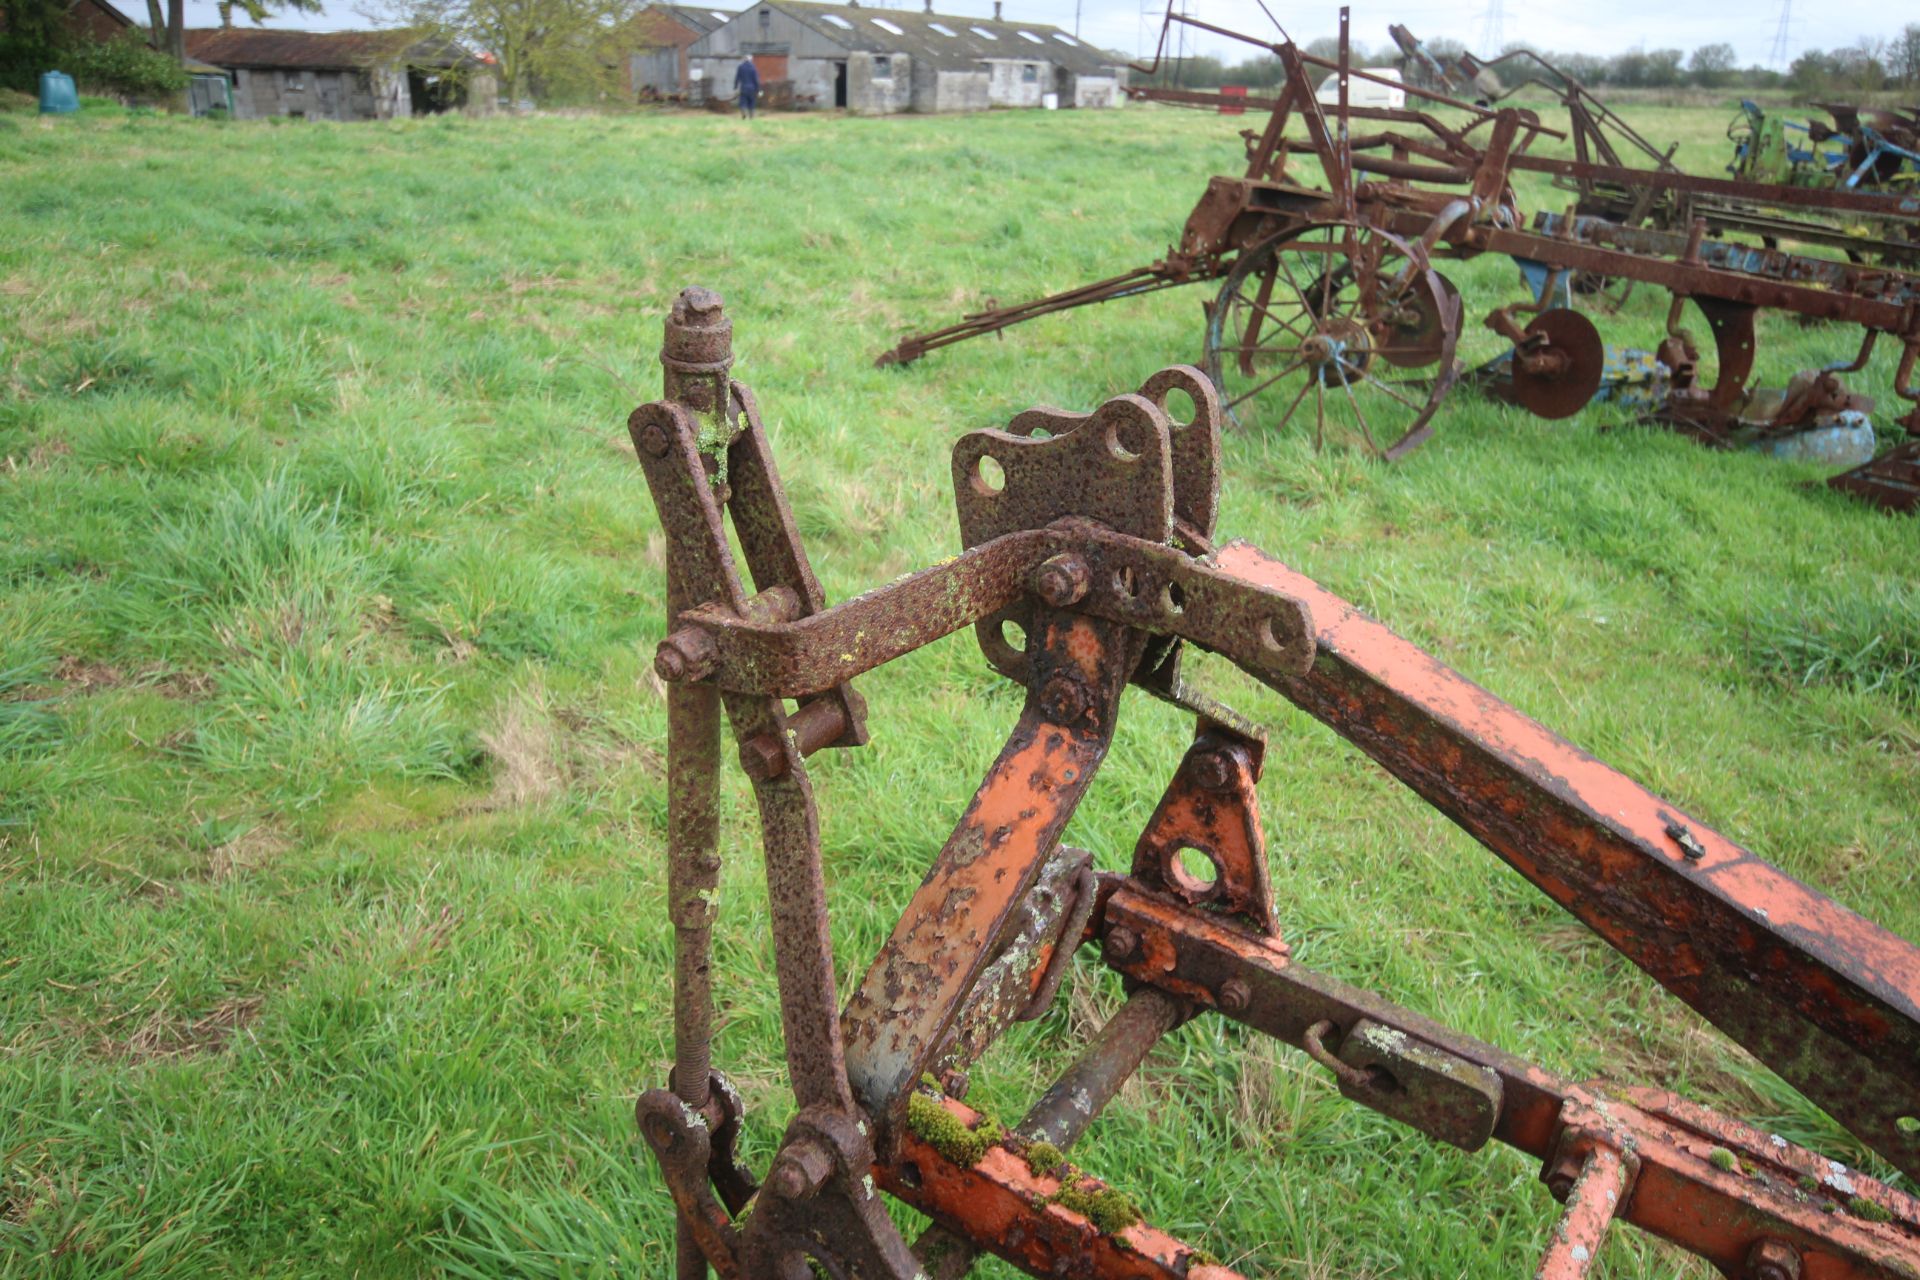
86	676
249	851
538	751
166	1035
525	754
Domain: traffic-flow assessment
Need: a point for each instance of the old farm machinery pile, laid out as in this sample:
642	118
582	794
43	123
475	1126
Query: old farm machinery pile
1088	562
1865	151
1331	309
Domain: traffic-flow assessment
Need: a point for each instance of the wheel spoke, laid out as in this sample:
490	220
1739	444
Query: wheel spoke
1306	384
1268	312
1259	350
1365	431
1296	365
1387	389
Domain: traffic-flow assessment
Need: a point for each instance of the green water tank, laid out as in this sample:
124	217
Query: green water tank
57	94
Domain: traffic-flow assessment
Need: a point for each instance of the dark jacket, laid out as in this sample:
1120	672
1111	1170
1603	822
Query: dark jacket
746	78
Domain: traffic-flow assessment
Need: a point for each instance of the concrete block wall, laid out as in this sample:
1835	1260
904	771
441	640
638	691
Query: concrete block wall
871	93
937	90
1008	84
1093	92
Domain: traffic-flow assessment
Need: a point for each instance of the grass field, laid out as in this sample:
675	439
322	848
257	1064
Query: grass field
331	926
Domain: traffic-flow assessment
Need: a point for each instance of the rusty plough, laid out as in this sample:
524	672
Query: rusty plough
1332	309
1089	563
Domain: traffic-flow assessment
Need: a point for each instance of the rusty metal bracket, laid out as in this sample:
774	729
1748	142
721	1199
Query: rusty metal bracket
1098	540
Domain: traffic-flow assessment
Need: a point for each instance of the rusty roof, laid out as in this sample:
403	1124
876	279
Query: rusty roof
314	50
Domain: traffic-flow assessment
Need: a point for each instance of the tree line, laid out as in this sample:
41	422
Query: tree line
547	50
1871	64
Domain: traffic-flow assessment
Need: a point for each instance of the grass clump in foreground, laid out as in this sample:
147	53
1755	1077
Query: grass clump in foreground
331	794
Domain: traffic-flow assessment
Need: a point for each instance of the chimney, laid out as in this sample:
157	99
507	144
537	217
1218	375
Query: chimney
996	10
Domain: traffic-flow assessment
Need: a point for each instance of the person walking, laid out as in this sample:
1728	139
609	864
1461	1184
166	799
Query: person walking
746	79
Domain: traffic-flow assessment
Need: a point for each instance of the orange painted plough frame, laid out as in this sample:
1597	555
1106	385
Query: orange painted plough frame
1088	565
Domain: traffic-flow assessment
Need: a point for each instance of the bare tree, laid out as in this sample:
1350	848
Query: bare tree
1903	56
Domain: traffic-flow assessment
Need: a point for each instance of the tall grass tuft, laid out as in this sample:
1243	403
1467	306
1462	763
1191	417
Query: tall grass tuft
1864	641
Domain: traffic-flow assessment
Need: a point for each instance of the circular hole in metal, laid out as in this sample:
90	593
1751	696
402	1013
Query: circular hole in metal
989	477
1123	439
1013	635
1194	871
910	1174
1126	584
1270	637
1172	598
1181	409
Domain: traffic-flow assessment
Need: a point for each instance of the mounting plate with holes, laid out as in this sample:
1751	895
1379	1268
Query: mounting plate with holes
1113	466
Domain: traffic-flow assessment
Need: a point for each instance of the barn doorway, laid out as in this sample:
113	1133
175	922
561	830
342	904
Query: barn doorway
839	84
431	93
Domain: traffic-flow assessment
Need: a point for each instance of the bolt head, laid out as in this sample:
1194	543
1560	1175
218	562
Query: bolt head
1235	996
1773	1260
1122	942
1062	581
762	759
800	1171
695	300
1063	700
654	441
1213	770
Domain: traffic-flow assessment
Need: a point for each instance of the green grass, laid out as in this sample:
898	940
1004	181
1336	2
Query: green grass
331	924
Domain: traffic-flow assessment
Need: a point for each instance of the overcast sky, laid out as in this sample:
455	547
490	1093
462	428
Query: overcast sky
1748	25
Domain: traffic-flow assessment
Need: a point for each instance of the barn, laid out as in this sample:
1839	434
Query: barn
334	75
658	37
882	61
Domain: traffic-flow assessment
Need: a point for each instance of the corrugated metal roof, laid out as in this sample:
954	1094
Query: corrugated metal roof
701	19
316	50
673	26
923	35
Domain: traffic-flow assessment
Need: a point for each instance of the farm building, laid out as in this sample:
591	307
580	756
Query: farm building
659	36
334	75
881	61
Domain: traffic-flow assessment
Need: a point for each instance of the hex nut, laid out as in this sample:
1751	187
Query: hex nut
1062	581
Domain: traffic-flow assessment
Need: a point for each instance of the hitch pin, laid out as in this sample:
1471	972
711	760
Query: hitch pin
1345	1072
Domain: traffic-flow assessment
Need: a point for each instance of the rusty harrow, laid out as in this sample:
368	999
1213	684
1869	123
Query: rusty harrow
1331	303
1088	563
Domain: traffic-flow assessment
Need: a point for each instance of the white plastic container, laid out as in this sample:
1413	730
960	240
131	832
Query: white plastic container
1050	102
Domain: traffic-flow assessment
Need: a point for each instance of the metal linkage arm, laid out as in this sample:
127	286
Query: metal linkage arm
1721	1189
1826	998
1139	280
1116	577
